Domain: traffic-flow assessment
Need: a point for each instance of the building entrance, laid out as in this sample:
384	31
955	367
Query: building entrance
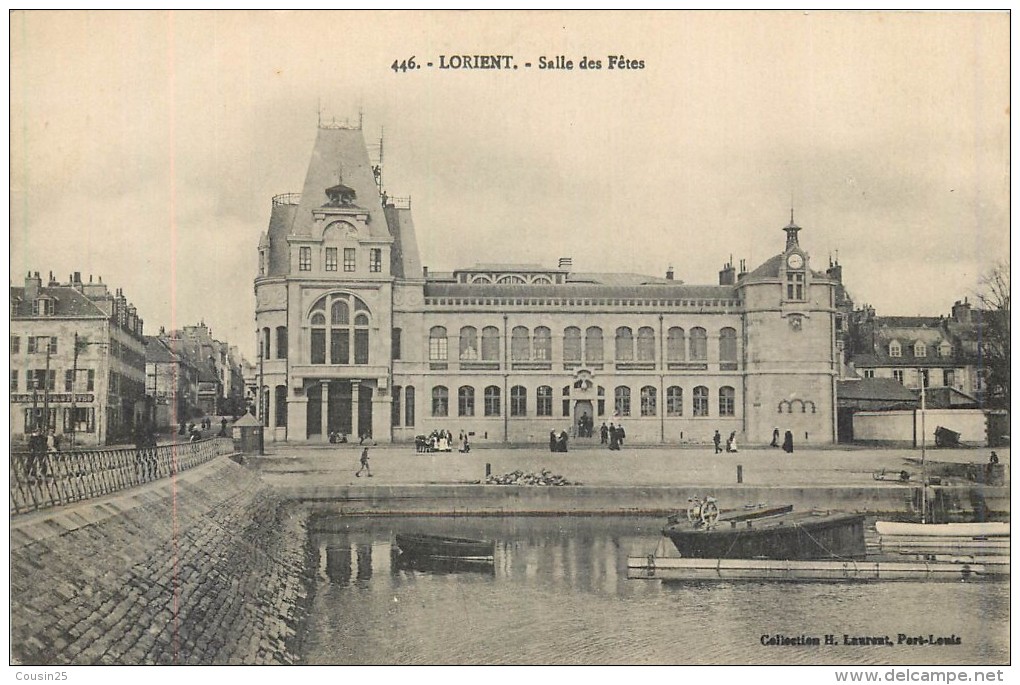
584	419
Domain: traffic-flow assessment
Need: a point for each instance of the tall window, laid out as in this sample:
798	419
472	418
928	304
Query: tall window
727	405
543	400
674	401
492	397
675	351
469	343
518	401
281	342
437	344
281	406
375	260
466	401
794	285
701	401
350	259
331	259
601	401
949	378
543	344
395	415
305	259
593	344
490	344
920	349
395	344
646	344
14	380
520	345
648	401
699	345
572	344
728	346
622	404
566	400
265	343
69	381
624	344
338	334
16	344
894	349
409	406
440	401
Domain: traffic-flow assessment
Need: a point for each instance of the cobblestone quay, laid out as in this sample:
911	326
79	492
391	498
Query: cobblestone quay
203	568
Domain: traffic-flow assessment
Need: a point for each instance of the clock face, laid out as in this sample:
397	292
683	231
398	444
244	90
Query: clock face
795	261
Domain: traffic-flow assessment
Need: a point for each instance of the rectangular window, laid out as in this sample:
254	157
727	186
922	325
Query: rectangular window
339	347
32	344
68	381
14	380
566	407
361	346
869	373
349	259
794	286
375	260
318	346
395	343
948	378
409	406
438	349
898	375
331	259
305	259
90	385
15	344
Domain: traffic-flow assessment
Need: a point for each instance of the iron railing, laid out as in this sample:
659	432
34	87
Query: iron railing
51	479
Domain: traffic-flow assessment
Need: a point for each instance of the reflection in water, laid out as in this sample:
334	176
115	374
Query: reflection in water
557	592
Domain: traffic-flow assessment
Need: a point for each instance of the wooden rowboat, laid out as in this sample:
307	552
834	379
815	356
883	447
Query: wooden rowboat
444	547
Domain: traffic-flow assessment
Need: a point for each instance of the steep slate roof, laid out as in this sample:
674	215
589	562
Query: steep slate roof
769	270
405	261
156	351
68	302
340	149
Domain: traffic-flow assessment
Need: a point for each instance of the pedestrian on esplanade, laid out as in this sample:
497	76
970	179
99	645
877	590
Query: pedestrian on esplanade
717	439
604	433
364	464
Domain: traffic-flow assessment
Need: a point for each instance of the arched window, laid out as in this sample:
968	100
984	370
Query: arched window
543	344
395	418
492	396
646	344
622	404
566	400
265	343
601	401
675	351
281	342
466	401
624	344
437	344
520	346
728	346
593	345
440	401
339	331
409	406
894	349
699	345
468	343
572	344
518	401
543	401
701	401
280	400
727	405
648	401
674	401
510	280
490	344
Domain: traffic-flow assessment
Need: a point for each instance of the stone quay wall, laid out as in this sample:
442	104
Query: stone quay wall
204	568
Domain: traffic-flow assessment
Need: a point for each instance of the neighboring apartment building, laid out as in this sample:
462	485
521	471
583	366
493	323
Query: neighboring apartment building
356	336
171	382
77	361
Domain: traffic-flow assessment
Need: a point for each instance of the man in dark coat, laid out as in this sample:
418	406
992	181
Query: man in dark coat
788	442
604	433
716	439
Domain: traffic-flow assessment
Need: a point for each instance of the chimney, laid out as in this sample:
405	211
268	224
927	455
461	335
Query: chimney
669	273
566	263
53	281
728	275
32	285
835	272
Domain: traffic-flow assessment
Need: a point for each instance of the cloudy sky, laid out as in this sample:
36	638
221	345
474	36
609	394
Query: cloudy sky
146	147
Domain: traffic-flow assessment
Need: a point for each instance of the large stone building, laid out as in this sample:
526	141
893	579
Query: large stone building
356	336
77	361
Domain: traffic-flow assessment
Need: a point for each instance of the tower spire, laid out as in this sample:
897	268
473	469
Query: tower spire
791	233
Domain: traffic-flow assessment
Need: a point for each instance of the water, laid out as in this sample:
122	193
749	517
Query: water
558	593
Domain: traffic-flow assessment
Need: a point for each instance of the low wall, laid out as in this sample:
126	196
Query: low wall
207	567
904	426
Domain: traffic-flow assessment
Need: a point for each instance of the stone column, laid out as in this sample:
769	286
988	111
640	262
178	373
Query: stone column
297	418
355	429
324	422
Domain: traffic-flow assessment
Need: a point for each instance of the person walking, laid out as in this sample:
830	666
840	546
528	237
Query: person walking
364	464
788	442
604	433
775	438
620	435
731	442
717	439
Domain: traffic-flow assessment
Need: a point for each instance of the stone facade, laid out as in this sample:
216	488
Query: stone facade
356	337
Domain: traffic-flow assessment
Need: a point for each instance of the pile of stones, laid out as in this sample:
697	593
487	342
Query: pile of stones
518	477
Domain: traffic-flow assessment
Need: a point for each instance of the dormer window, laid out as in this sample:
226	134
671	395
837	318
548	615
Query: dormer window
920	349
945	350
43	306
894	349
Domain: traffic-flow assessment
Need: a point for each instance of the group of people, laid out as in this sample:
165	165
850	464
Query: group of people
731	442
612	435
585	426
558	441
787	440
441	440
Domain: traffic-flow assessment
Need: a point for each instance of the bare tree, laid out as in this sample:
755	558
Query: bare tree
993	296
